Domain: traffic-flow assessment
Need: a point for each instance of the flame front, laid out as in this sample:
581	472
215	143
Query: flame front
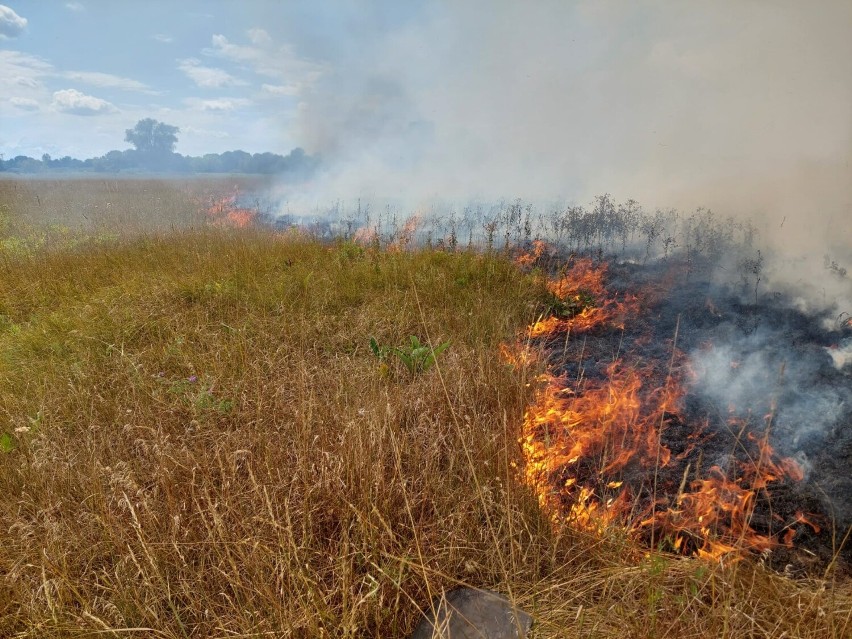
581	301
224	211
595	447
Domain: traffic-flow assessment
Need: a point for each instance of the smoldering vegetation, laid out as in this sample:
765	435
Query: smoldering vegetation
756	363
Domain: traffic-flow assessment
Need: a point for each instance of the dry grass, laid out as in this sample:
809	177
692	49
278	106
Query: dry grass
203	445
51	212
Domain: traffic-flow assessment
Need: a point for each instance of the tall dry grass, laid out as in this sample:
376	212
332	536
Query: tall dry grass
44	212
199	443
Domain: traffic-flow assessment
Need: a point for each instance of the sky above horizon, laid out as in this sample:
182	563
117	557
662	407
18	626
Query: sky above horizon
744	104
75	75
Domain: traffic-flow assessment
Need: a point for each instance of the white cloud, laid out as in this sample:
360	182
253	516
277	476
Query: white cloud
107	80
75	6
279	89
162	37
266	58
24	61
77	103
207	77
259	37
30	83
11	24
21	73
222	48
217	104
24	104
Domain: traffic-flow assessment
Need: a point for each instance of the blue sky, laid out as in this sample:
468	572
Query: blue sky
75	75
739	105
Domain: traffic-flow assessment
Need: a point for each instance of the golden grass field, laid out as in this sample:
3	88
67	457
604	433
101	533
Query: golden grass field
198	442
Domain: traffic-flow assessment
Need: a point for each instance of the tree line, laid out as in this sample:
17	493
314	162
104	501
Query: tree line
154	144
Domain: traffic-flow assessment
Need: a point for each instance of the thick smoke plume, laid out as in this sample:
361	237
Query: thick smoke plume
742	107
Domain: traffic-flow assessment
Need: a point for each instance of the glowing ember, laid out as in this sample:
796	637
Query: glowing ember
614	448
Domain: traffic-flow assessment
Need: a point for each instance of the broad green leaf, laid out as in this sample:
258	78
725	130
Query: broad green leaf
6	443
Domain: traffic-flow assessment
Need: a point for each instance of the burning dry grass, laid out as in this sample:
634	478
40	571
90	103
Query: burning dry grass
199	443
49	212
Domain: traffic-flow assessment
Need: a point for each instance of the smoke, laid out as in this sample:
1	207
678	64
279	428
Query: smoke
841	354
765	374
742	107
793	392
779	370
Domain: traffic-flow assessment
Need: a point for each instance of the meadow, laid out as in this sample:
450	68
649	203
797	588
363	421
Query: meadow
197	440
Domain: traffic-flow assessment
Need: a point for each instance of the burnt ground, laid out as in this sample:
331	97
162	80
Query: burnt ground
755	360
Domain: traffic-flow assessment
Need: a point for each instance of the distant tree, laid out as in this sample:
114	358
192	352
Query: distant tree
114	161
154	142
152	137
23	164
67	162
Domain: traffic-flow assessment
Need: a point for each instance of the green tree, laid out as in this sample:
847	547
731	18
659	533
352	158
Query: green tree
152	137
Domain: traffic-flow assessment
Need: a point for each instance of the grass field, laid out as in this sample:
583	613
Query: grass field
197	441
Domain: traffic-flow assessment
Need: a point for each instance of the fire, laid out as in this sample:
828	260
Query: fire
520	356
399	240
223	211
528	259
405	236
581	301
598	449
366	236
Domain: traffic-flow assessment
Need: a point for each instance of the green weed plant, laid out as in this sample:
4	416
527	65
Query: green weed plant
416	356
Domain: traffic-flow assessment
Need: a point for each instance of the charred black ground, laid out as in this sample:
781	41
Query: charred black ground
751	359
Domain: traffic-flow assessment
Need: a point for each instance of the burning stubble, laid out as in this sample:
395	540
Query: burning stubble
727	438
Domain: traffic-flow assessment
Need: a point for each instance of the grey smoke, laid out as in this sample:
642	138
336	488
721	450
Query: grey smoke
742	107
841	354
765	371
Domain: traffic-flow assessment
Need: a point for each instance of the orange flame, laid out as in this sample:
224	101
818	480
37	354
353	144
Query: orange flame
528	259
583	302
581	443
406	235
223	211
366	236
519	356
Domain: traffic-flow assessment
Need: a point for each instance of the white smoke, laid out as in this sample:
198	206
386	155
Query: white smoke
739	106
